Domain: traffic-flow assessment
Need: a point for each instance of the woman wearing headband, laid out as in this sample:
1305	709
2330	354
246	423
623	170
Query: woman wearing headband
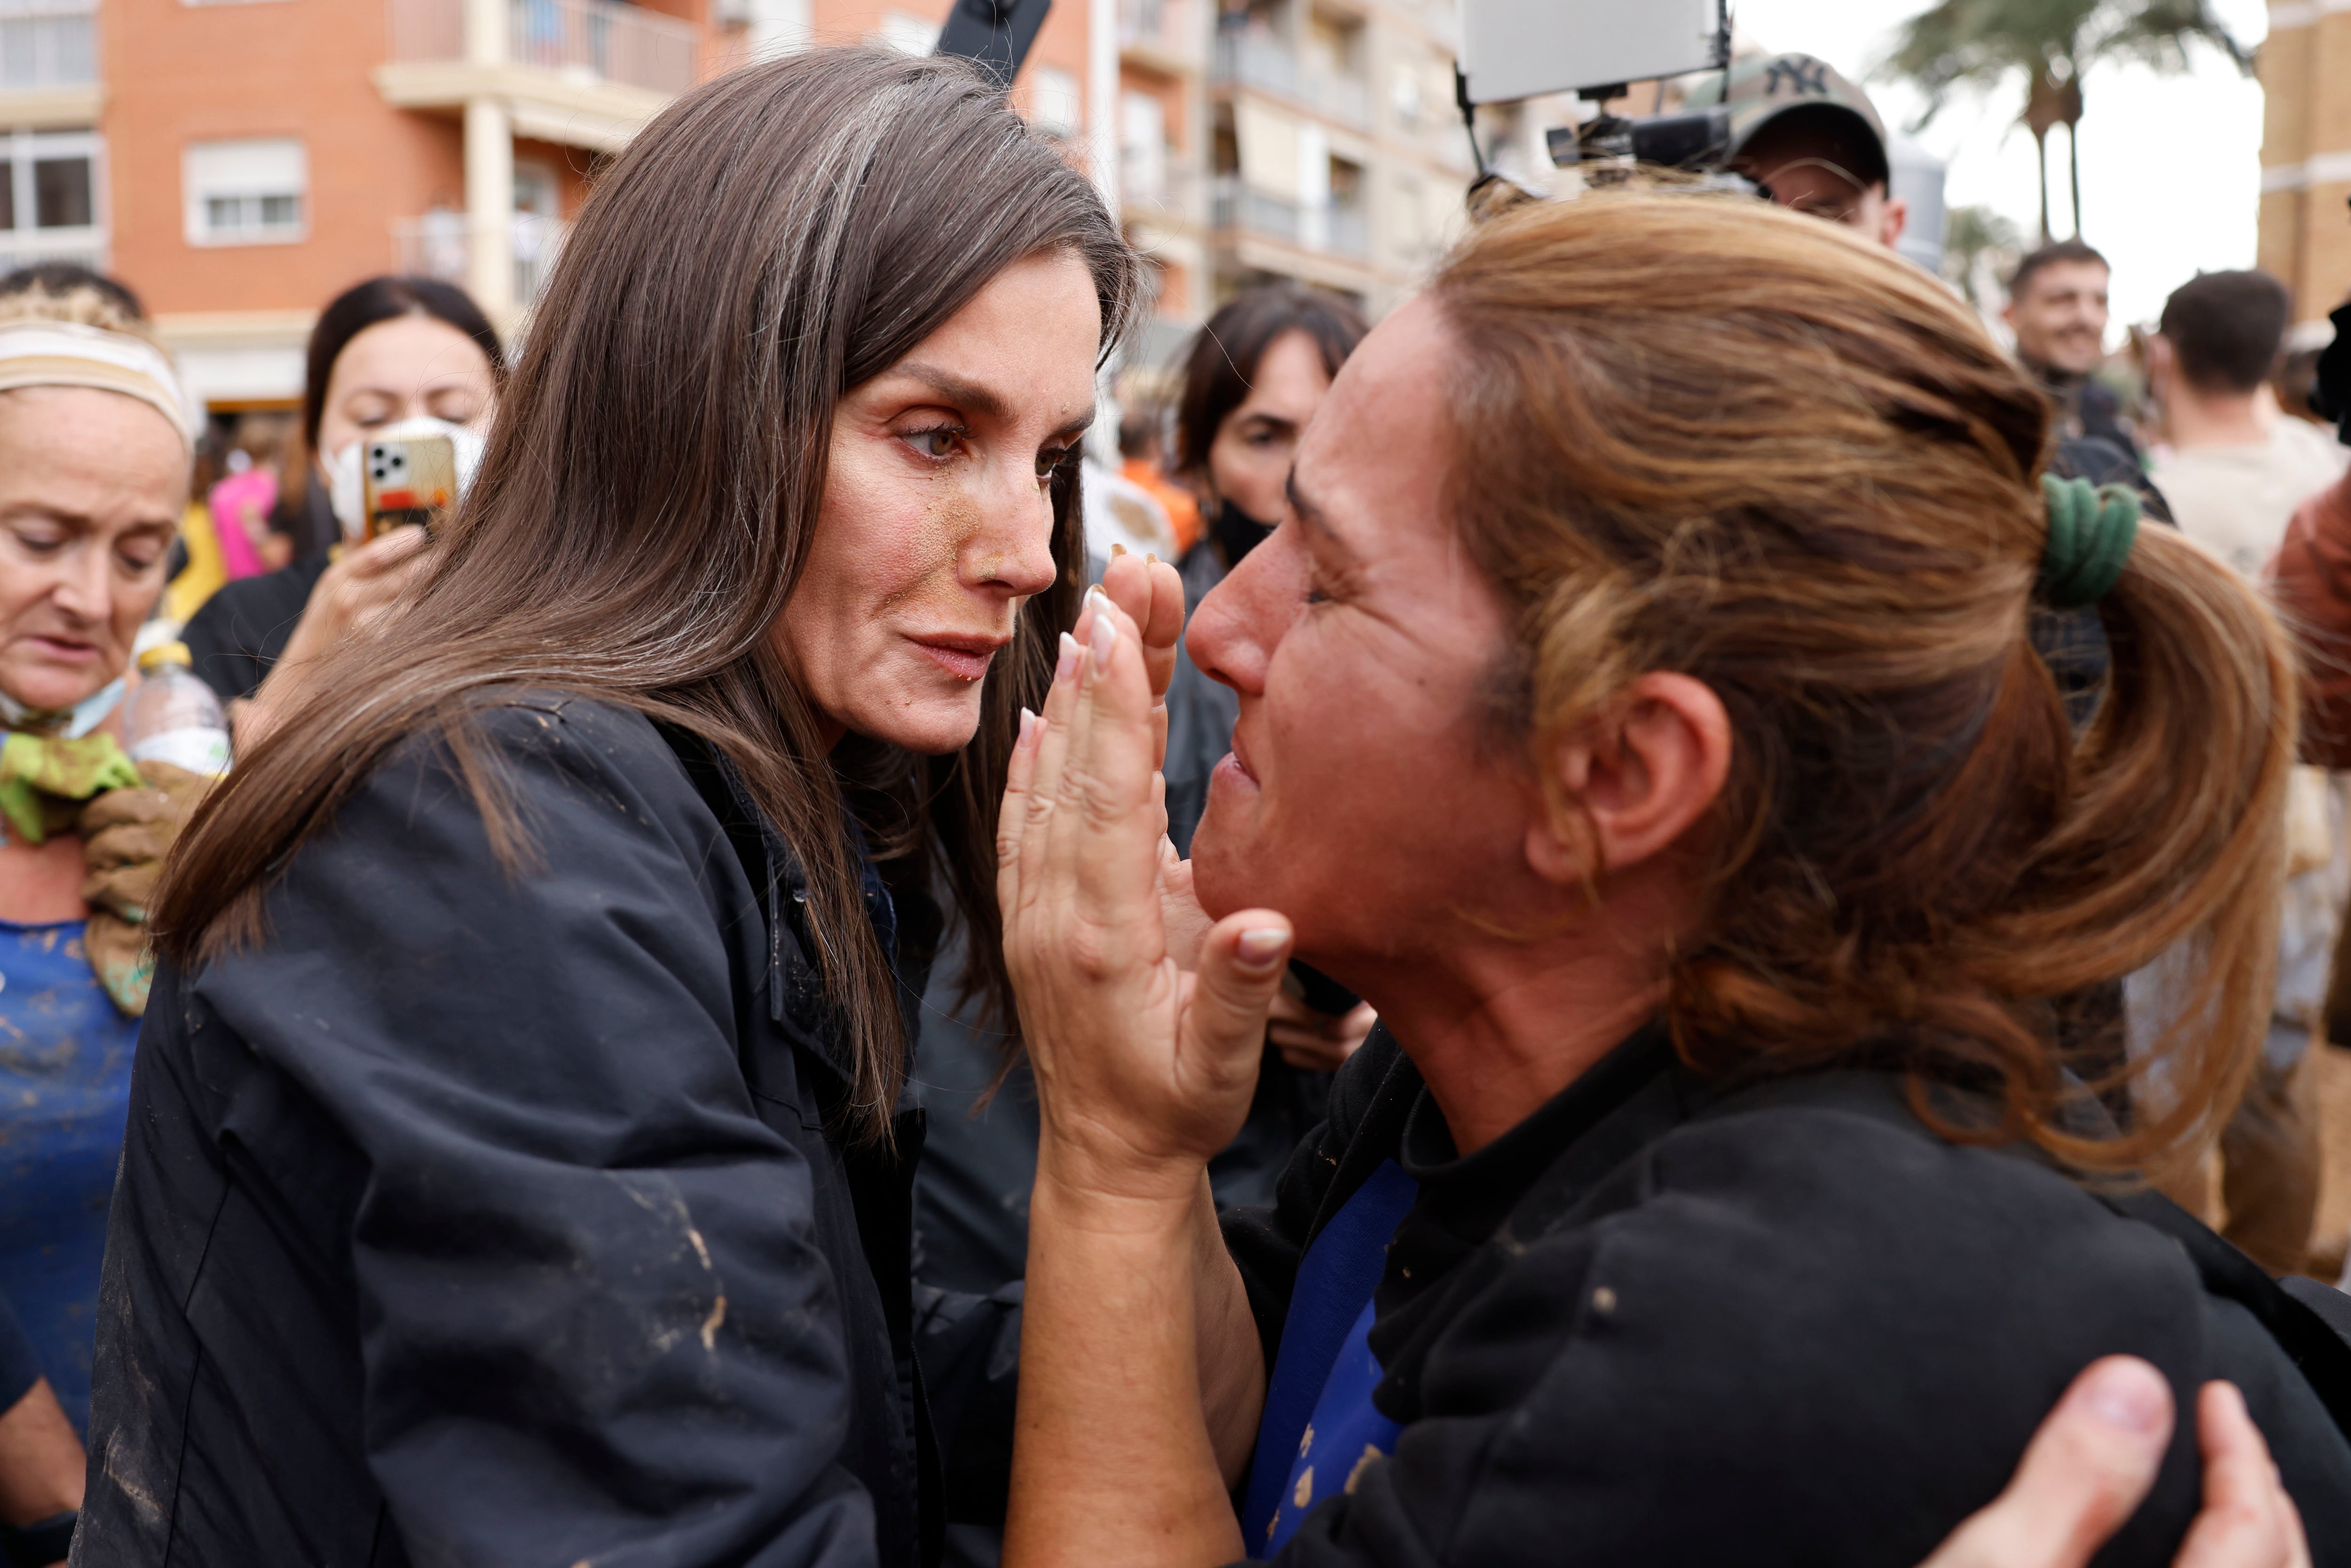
1655	594
95	437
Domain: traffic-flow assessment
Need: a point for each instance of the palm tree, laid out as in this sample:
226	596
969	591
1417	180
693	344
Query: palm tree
1977	242
2051	44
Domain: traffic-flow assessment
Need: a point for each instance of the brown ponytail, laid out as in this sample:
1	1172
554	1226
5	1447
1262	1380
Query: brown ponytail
1710	436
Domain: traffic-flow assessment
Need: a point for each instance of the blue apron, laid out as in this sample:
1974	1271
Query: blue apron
1320	1427
65	1093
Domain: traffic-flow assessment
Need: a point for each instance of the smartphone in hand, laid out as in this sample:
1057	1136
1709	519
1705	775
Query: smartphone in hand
411	480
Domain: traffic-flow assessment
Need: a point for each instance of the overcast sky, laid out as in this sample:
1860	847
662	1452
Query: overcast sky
2170	165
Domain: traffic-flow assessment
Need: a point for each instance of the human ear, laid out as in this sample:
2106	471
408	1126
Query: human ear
1894	218
1638	776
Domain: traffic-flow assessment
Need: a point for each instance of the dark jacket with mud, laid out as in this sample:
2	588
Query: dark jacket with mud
1667	1321
479	1217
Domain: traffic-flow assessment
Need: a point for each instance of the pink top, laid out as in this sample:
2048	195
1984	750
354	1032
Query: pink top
240	504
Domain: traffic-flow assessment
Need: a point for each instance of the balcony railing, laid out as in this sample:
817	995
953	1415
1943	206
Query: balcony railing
1340	230
1350	231
441	245
83	247
1236	207
602	39
1162	187
47	44
1172	30
586	40
1253	60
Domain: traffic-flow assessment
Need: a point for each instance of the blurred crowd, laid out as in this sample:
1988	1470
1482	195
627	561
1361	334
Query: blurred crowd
178	588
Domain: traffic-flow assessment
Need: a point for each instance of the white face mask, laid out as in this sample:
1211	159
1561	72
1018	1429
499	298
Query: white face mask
76	721
347	493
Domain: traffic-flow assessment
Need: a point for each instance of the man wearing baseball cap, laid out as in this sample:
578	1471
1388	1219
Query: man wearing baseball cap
1810	139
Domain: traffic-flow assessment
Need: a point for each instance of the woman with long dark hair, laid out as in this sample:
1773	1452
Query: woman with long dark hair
520	1171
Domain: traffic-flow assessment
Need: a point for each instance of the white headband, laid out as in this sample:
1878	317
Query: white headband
68	354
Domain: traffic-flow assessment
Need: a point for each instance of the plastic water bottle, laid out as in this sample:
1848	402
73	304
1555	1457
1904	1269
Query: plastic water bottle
172	717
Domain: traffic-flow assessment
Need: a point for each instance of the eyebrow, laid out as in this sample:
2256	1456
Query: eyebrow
975	399
1316	520
67	515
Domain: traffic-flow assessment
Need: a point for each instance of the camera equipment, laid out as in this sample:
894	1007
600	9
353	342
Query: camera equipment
1697	139
994	34
1524	48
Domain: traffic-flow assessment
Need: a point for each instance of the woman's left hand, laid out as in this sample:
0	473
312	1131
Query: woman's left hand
1144	1070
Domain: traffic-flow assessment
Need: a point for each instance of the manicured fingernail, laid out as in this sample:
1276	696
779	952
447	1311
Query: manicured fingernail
1105	639
1263	946
1151	556
1070	654
1028	725
2129	1395
1116	550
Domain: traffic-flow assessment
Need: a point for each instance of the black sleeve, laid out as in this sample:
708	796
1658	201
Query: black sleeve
20	1367
594	1322
969	1350
1803	1344
238	634
1367	1096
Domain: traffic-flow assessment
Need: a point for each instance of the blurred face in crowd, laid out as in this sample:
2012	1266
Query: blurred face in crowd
1361	639
1809	167
2060	316
411	367
1249	459
936	522
91	487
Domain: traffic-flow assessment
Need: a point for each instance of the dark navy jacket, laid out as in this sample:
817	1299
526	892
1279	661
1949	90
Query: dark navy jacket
479	1217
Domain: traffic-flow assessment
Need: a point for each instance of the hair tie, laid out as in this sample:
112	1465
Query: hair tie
2091	531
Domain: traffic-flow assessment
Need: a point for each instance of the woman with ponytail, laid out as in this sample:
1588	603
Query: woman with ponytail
1638	705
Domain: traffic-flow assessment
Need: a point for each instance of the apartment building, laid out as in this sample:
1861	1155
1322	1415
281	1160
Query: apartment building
2305	227
240	162
1338	158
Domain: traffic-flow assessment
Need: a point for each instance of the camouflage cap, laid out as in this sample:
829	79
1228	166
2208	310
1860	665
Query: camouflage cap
1760	89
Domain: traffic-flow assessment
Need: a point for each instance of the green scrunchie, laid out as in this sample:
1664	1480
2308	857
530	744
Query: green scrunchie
2091	531
32	765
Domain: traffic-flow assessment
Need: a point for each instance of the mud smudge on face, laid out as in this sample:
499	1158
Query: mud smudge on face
949	517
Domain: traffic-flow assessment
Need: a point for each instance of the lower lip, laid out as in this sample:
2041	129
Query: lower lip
1230	771
64	652
957	662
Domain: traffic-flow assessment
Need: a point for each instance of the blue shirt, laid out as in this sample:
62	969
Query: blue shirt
65	1089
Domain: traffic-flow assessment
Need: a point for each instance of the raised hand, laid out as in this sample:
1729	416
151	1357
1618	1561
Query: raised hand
1151	592
1144	1068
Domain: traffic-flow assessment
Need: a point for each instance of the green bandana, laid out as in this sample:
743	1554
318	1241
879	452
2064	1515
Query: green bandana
33	766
